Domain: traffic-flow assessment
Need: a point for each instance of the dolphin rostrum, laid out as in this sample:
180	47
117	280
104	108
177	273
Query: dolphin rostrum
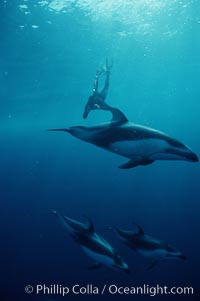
147	246
93	244
141	145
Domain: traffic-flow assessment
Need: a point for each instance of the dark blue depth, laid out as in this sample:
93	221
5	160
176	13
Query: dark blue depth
46	78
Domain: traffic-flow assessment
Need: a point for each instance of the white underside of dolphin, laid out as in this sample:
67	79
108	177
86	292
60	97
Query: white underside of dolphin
153	149
105	260
155	254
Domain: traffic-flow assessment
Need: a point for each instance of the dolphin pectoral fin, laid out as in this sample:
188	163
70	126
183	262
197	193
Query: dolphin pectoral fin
135	162
94	266
58	130
146	162
152	264
129	164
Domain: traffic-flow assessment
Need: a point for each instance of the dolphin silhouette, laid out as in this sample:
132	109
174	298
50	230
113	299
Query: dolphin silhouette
93	244
141	145
148	246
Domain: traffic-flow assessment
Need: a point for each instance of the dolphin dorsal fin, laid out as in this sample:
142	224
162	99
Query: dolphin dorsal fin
118	116
140	230
90	225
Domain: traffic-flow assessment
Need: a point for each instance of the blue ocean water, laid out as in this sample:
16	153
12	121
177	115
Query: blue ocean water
49	54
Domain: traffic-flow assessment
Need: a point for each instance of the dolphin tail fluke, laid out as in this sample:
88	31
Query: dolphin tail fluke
59	130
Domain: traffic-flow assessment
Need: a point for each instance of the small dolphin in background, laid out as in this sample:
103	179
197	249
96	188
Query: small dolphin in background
147	246
93	244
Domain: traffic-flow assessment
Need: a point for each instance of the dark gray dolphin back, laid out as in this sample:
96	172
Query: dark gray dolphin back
126	234
75	225
129	234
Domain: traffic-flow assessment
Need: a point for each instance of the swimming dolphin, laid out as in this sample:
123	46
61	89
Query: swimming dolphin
148	246
141	145
93	244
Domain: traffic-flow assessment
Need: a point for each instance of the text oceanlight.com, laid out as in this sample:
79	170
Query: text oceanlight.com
111	289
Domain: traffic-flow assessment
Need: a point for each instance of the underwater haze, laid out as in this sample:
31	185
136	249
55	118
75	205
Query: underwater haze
49	54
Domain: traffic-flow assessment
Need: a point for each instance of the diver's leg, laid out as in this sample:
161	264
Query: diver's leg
92	99
96	82
108	68
97	100
104	92
99	72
